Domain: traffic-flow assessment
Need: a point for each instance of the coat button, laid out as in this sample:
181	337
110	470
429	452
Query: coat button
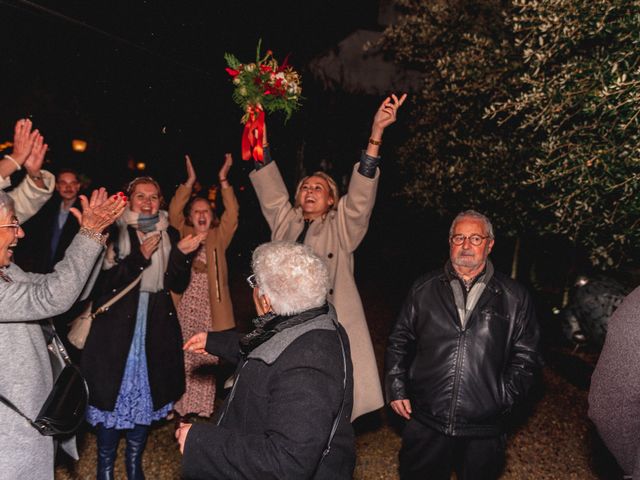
330	255
331	292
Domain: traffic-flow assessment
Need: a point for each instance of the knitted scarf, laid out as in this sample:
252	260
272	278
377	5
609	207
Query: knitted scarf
269	324
145	225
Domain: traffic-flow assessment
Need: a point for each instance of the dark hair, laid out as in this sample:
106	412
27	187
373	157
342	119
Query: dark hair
215	221
68	170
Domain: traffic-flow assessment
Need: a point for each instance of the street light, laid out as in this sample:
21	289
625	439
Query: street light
78	145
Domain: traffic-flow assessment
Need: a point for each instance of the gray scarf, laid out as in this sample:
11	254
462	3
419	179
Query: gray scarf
153	275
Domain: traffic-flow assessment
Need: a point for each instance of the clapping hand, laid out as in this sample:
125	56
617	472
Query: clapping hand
191	242
150	244
99	210
23	140
35	159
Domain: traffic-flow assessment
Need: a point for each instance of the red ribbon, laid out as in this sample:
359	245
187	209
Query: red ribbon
252	137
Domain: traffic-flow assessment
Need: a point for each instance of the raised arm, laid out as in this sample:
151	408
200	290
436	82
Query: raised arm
229	219
54	293
355	208
23	140
36	188
182	196
385	116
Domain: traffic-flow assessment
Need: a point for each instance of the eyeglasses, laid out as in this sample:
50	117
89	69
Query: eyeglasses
15	225
475	240
251	280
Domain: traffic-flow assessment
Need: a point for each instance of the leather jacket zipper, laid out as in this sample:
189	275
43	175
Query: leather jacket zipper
456	383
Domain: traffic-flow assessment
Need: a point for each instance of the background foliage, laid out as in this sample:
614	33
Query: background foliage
529	112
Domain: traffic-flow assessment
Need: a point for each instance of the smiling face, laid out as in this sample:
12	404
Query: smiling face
200	215
468	259
9	236
145	198
314	197
68	186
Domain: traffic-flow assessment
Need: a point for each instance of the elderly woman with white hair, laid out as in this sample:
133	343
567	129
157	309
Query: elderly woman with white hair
25	298
288	414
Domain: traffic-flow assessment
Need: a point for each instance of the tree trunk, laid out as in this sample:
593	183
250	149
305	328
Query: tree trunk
516	259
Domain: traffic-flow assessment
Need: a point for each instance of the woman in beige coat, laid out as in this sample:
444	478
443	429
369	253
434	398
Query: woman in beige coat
206	304
334	227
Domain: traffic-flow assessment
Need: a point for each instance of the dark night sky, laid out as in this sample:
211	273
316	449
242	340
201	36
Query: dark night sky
163	91
169	95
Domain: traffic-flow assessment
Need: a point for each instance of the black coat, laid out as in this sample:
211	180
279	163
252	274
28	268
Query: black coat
462	381
276	421
107	347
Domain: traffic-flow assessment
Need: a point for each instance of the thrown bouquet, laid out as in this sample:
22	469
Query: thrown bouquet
263	85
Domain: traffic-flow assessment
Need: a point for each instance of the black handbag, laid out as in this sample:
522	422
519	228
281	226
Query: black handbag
64	409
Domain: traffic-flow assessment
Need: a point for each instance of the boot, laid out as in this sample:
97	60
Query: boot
136	441
108	439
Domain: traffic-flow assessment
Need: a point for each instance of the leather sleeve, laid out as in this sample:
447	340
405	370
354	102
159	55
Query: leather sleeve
524	359
400	351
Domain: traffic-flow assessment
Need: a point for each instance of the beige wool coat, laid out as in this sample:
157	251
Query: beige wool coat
216	245
334	238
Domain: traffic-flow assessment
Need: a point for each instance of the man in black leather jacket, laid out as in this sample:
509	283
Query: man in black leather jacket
463	351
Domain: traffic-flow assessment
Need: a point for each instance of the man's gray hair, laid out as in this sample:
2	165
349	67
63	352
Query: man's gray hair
293	277
6	204
477	216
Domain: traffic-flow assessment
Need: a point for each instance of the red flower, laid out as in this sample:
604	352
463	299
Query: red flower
232	72
265	68
285	64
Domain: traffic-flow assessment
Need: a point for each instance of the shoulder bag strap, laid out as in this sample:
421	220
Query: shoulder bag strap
10	404
105	306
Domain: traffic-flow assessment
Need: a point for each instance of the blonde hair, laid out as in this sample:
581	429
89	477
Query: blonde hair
333	188
144	180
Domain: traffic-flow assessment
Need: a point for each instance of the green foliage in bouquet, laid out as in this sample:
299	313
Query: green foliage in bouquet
276	87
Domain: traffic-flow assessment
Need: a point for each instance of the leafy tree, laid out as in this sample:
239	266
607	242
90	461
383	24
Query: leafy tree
457	158
579	97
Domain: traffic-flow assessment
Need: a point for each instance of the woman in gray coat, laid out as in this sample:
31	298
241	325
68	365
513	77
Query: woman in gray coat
26	375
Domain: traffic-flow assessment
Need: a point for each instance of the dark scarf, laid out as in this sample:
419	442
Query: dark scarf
269	324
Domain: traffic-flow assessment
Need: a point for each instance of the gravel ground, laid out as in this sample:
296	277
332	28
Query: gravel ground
554	440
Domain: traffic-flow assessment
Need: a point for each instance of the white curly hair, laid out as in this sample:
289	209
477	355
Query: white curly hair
6	204
293	277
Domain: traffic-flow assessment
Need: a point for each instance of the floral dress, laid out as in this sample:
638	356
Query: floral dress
194	315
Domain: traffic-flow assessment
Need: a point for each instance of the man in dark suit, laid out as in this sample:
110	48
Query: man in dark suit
53	226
